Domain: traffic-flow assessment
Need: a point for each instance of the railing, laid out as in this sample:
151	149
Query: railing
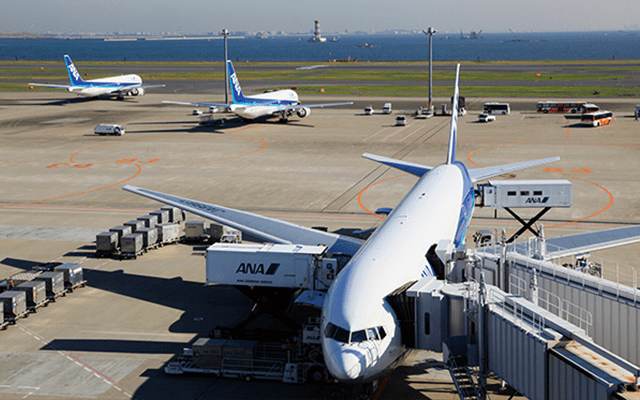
535	321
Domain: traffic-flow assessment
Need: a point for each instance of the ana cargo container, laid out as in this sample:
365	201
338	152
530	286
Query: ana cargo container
73	274
107	243
163	216
168	233
14	304
525	194
36	292
272	265
121	230
175	214
54	283
135	224
150	221
149	237
195	231
131	245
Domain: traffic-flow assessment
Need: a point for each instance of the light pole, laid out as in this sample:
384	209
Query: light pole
225	33
430	31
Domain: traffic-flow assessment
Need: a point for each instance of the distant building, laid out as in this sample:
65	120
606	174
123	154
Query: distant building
317	36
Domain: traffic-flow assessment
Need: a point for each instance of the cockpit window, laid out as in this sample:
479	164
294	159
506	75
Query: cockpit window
359	336
342	335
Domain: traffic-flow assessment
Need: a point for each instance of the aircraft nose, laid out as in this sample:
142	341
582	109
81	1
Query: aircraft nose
349	365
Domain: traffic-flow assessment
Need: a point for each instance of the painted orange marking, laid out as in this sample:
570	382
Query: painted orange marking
370	186
553	170
57	165
582	171
76	194
567	133
82	165
127	160
149	161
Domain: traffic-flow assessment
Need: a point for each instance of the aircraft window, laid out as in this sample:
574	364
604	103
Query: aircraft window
359	336
373	334
335	332
330	330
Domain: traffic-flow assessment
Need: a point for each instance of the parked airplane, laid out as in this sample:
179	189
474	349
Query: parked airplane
283	103
120	86
362	338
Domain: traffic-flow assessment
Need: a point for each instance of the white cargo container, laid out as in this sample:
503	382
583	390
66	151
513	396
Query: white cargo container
109	129
168	233
195	230
132	244
526	194
273	265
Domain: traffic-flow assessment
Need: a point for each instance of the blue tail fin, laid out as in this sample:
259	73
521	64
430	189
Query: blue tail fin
236	90
453	133
74	75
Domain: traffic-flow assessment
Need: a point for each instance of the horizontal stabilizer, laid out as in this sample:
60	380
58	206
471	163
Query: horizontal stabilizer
268	229
188	103
479	174
51	85
412	168
568	245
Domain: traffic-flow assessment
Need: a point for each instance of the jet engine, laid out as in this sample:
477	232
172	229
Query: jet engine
303	112
137	92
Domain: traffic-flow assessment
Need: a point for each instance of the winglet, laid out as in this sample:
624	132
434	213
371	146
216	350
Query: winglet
74	75
453	133
236	90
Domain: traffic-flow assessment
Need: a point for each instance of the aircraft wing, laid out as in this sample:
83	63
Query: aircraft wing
188	103
412	168
66	87
269	229
479	174
297	106
125	89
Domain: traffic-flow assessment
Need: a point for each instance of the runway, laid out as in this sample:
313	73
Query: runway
60	184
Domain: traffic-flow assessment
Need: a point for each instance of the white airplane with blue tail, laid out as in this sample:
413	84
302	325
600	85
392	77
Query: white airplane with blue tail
283	103
120	86
361	332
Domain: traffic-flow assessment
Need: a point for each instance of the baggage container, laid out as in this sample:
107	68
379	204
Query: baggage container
73	274
121	230
163	216
168	233
132	243
36	292
149	236
222	233
135	224
14	303
239	353
175	214
150	221
207	353
194	230
54	282
107	242
22	277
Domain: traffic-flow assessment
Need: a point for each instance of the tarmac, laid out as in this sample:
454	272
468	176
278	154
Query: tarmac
60	185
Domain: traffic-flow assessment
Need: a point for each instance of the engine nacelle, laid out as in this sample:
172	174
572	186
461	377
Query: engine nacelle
303	112
137	92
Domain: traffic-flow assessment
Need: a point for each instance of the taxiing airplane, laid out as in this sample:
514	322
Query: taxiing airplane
120	86
282	103
361	332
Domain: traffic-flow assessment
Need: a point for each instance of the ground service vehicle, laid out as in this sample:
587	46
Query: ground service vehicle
565	107
387	108
109	129
368	110
597	118
401	120
486	118
496	108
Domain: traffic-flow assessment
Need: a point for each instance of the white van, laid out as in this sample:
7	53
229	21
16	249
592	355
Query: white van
109	129
387	108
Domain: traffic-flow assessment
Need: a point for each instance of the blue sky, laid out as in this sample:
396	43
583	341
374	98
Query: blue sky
199	16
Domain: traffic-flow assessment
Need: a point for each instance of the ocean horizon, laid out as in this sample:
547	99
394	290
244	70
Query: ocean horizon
564	46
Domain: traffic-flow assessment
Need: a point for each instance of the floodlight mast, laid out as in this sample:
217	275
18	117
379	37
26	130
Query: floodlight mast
225	33
430	31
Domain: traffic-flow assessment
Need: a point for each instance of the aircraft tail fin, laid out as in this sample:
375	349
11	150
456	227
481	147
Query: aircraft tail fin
453	133
236	90
74	75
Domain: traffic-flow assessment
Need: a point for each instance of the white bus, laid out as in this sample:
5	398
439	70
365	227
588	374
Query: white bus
598	118
496	108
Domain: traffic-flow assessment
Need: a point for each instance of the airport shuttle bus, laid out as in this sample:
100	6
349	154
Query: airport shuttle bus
598	118
566	107
496	108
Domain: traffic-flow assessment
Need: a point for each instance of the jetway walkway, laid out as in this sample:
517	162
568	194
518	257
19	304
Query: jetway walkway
549	331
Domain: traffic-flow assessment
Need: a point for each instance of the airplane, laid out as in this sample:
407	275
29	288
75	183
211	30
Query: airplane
120	86
361	338
283	103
